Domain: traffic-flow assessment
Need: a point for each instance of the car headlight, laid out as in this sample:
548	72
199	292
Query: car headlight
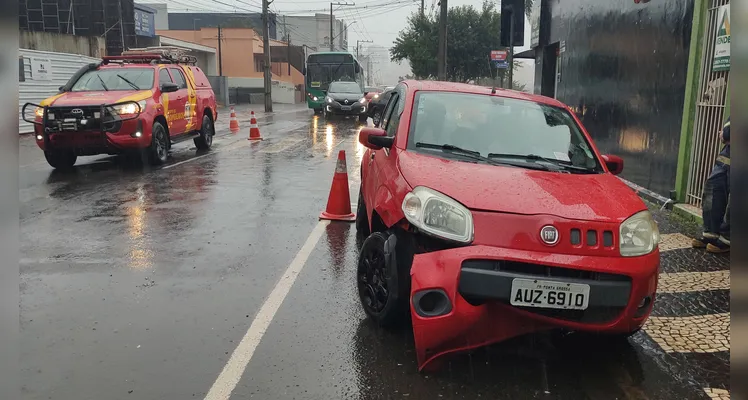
438	214
327	99
376	96
363	100
639	235
39	112
130	108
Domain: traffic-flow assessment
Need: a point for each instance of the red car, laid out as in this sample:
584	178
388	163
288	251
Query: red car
137	102
490	214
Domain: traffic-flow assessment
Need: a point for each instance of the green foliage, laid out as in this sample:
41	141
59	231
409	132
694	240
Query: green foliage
471	35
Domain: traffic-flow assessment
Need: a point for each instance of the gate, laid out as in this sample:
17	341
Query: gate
710	106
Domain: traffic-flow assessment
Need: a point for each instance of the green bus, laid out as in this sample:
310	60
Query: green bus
325	67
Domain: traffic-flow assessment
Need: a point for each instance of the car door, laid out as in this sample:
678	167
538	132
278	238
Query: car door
179	103
191	105
378	159
167	99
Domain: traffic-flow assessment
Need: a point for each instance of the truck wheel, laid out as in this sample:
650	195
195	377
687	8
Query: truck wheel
318	111
383	278
205	140
158	151
60	159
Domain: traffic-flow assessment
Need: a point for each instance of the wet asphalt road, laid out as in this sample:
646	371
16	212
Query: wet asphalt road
139	283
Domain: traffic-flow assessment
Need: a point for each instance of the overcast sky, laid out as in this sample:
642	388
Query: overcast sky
376	20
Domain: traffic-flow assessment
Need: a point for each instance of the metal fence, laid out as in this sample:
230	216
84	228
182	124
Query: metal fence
705	144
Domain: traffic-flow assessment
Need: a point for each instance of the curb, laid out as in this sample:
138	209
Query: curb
688	214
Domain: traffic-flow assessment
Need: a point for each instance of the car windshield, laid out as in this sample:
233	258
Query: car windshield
499	128
114	79
373	90
345	87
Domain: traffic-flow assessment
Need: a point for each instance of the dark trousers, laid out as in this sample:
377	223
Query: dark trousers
715	206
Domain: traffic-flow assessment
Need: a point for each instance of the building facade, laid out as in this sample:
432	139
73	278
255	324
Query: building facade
622	65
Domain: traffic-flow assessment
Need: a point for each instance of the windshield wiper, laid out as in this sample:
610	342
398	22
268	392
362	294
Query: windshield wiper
475	155
102	82
128	82
534	157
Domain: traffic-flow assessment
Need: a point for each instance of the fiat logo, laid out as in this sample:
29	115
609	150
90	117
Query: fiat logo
77	112
549	235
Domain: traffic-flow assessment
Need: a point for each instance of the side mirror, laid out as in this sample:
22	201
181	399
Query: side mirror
365	93
303	71
168	87
358	69
375	138
614	163
61	89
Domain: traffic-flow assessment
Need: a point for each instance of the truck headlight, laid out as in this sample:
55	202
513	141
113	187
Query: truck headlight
130	108
438	214
639	235
39	112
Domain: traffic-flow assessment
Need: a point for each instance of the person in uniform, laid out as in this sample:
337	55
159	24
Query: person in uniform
715	201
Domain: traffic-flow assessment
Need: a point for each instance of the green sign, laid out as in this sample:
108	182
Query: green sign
722	44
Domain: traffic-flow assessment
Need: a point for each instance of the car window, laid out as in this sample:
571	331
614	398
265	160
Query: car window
498	126
163	76
114	79
345	87
178	78
390	115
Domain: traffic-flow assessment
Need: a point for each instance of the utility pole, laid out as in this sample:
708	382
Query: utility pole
288	46
220	53
266	57
441	55
511	46
358	44
332	21
422	1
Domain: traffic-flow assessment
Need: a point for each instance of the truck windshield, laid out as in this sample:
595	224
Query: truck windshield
114	79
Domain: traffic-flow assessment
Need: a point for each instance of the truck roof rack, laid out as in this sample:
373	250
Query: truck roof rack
153	55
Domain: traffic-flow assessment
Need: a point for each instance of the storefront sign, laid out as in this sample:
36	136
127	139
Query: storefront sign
498	59
722	44
535	24
144	23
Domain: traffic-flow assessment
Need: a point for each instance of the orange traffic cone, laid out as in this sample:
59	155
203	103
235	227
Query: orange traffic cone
339	201
254	130
234	124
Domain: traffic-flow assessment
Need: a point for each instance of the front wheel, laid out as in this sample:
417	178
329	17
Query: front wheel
60	159
158	151
363	118
383	279
205	140
362	218
377	117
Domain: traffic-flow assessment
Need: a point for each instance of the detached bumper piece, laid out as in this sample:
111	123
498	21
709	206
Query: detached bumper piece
89	120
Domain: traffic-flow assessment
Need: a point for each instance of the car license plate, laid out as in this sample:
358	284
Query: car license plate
549	294
345	108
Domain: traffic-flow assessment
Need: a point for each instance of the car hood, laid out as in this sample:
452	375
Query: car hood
95	98
590	197
352	97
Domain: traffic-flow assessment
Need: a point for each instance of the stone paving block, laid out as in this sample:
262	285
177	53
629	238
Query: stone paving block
674	241
721	394
695	334
678	282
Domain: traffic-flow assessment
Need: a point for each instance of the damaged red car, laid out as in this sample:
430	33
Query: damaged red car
490	214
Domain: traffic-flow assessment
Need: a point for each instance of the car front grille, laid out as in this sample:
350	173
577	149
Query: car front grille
593	314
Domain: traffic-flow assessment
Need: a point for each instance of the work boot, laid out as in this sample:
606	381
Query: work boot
718	246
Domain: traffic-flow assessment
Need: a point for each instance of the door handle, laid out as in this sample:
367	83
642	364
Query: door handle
372	156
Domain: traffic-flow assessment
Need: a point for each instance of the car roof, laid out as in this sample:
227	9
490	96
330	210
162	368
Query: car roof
439	86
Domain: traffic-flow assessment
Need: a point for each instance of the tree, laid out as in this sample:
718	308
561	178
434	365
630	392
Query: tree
471	35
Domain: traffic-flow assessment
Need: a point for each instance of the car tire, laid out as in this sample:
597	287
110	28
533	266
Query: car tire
60	159
327	115
363	118
158	151
383	278
205	140
362	218
377	118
